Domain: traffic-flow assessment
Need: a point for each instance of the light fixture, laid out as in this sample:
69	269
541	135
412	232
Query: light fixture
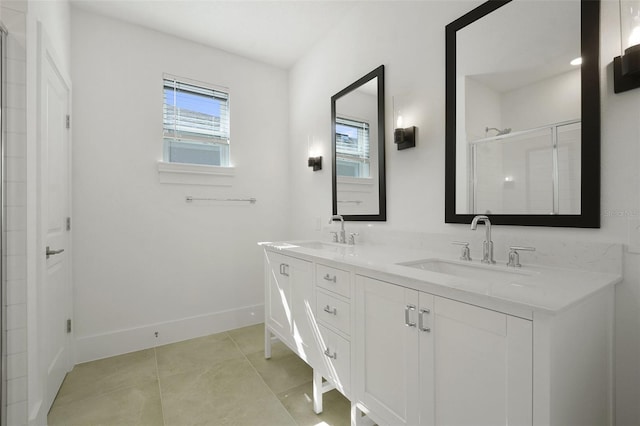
626	67
314	150
404	137
577	61
315	162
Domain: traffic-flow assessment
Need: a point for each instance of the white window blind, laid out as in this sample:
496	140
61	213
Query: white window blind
196	123
352	147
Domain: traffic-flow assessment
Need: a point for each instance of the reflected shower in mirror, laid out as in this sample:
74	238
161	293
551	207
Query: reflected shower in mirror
517	107
357	118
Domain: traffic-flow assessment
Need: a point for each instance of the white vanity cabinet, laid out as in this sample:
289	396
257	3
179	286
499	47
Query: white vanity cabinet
428	360
290	304
413	347
333	308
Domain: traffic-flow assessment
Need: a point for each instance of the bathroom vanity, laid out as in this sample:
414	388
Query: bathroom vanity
414	338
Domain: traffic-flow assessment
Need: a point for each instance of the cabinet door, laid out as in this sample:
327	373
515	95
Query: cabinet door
483	366
386	378
278	296
302	309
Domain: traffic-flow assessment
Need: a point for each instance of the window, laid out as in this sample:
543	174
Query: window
196	123
352	148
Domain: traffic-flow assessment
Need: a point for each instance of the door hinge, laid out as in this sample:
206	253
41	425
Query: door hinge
68	121
68	224
69	325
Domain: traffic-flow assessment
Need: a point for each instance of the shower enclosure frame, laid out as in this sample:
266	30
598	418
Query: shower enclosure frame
473	180
3	288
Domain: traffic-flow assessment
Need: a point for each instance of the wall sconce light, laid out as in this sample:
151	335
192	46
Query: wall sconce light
404	137
626	67
314	149
316	163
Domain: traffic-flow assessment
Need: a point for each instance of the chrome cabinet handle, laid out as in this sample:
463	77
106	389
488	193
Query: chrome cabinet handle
421	326
53	252
328	310
328	354
407	311
283	269
329	278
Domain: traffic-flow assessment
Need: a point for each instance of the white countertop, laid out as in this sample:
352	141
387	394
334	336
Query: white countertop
520	291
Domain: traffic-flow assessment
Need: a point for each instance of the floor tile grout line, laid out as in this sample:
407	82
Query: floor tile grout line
261	378
155	357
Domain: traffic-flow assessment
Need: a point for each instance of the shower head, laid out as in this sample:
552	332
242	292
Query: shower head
501	132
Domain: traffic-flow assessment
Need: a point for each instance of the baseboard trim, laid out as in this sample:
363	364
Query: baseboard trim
91	348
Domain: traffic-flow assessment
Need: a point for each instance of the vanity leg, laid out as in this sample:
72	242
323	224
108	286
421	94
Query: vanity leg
267	342
358	417
317	392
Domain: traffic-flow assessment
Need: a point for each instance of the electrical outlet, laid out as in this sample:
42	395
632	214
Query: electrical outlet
156	334
634	234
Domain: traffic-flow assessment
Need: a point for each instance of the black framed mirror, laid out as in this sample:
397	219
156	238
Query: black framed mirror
357	146
523	114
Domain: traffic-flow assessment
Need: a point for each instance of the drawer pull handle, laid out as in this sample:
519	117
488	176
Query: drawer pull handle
284	269
328	310
328	354
330	278
407	311
421	326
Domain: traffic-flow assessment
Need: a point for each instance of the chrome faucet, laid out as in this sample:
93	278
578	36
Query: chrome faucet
343	238
487	245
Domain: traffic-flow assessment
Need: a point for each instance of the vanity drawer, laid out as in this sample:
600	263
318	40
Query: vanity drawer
334	312
336	363
333	279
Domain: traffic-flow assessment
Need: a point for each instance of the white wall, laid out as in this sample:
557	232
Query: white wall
144	259
413	54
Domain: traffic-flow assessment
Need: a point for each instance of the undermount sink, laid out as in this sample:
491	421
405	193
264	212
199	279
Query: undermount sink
319	245
475	271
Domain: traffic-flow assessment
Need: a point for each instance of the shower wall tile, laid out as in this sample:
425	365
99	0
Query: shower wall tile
16	195
16	243
17	340
16	292
16	317
17	365
16	120
13	15
16	388
16	217
16	94
17	413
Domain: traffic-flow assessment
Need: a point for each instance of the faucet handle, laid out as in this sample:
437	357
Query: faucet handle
335	236
514	256
352	238
465	254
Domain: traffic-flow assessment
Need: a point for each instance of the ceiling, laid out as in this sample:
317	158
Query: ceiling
274	32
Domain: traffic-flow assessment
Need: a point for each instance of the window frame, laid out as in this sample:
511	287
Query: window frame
195	139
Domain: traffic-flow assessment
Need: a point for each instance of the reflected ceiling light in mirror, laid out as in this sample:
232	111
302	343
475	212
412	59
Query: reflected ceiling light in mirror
404	137
576	62
626	67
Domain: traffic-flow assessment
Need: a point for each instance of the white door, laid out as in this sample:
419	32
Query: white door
387	346
483	362
278	296
54	196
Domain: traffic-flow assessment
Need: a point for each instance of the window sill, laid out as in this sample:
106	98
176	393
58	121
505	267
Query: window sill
195	174
355	181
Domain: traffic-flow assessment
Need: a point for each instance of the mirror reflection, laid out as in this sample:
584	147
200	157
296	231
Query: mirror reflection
358	149
518	111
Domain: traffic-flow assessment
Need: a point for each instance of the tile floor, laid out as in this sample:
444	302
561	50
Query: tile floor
222	379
